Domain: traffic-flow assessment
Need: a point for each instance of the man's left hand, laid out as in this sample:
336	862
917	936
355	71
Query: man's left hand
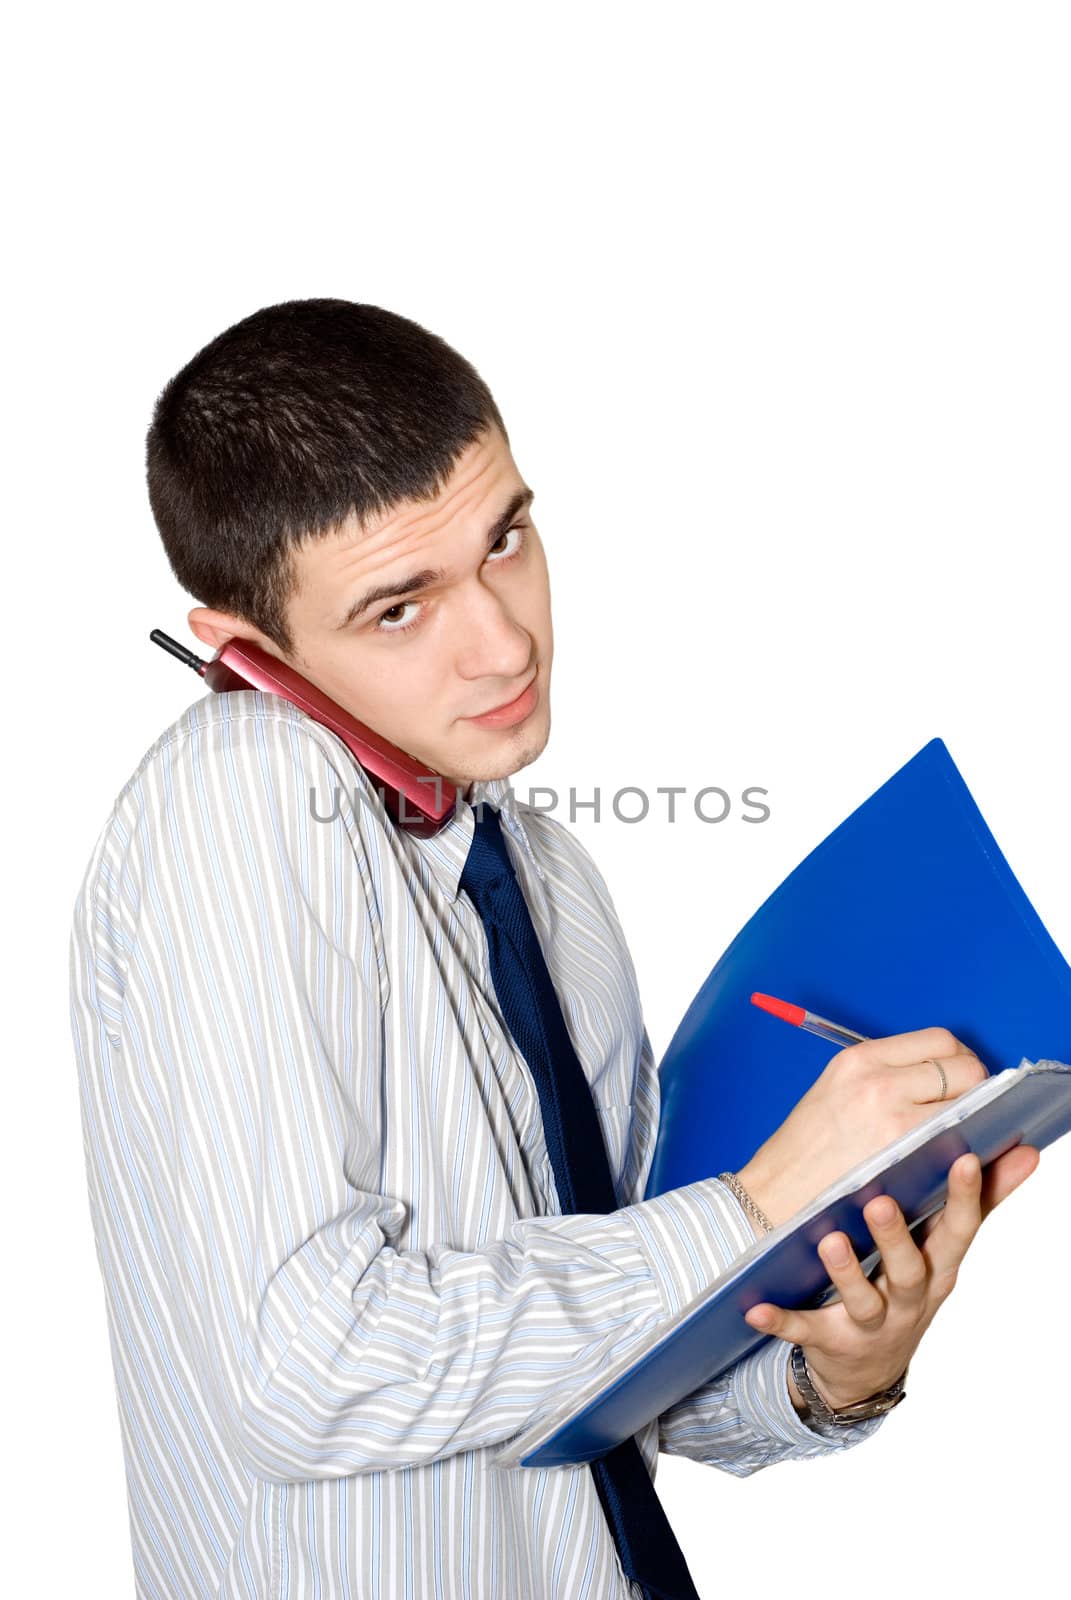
862	1343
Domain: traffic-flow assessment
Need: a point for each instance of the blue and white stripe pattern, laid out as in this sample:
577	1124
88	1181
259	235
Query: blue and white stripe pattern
336	1274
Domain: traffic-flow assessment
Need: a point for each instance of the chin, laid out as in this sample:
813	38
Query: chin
508	762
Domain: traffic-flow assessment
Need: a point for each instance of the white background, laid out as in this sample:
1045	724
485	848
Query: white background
774	299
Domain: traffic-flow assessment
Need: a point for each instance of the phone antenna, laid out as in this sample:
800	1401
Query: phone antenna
158	636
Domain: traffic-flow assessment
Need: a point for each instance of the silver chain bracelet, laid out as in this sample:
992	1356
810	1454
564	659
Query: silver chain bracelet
745	1200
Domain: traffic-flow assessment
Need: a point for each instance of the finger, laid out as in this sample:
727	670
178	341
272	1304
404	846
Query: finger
924	1083
999	1179
1004	1175
907	1049
795	1326
864	1303
904	1265
960	1219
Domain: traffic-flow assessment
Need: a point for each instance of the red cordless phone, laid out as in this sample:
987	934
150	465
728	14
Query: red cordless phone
417	798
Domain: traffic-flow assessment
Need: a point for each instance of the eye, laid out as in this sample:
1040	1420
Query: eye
519	531
399	605
388	623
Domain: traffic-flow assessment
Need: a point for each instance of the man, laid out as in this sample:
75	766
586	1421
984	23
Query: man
325	1193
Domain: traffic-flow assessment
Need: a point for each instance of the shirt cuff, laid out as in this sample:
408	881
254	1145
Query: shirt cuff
760	1391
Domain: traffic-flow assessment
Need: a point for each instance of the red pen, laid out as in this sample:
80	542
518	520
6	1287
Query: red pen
807	1019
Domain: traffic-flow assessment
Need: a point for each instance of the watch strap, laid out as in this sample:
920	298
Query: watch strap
874	1405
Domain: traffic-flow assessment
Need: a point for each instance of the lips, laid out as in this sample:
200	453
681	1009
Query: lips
507	704
510	711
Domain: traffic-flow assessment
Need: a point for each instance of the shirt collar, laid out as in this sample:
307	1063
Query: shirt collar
447	851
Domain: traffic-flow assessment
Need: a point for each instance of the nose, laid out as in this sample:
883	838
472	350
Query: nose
495	646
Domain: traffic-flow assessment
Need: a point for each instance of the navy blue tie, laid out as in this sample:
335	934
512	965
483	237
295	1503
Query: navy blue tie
646	1544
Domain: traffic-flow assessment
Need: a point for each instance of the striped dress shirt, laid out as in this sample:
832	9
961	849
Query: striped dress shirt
336	1273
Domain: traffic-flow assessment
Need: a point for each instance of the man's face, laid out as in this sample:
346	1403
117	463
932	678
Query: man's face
419	665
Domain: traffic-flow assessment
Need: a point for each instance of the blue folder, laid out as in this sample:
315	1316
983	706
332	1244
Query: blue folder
785	1268
906	916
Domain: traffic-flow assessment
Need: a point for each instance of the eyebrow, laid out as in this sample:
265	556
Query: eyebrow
429	575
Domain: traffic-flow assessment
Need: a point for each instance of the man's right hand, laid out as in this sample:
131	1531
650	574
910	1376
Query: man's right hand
868	1095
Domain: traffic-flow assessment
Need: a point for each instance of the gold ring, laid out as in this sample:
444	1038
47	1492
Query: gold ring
944	1078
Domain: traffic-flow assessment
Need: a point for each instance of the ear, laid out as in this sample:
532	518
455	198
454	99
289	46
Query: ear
214	628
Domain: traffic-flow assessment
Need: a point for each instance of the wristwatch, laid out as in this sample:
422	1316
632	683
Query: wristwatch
874	1405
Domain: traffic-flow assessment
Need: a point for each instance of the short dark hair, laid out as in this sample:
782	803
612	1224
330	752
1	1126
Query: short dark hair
292	420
